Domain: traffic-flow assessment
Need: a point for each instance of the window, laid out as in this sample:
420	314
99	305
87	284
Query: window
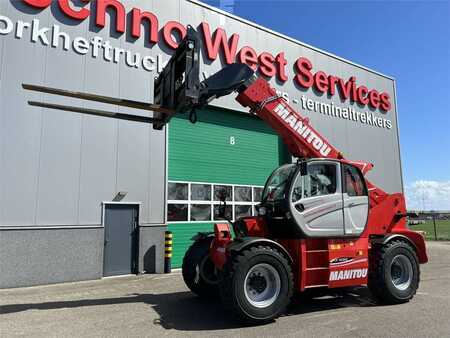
277	184
320	180
242	211
297	188
257	193
178	191
199	202
228	212
177	212
219	189
200	212
243	194
200	192
353	181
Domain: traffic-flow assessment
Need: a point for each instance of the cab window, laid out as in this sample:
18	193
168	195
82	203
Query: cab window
320	180
297	189
353	181
277	183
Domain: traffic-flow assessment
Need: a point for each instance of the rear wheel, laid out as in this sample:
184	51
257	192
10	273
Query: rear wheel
394	272
257	284
199	272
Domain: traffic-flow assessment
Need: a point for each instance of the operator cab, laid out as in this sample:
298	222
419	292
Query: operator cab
315	198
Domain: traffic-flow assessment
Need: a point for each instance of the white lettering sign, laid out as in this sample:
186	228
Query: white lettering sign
98	47
348	274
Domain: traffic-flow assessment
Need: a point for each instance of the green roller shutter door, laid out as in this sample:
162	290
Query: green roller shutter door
222	147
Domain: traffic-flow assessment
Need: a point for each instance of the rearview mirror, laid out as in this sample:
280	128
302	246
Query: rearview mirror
303	168
222	195
223	203
222	208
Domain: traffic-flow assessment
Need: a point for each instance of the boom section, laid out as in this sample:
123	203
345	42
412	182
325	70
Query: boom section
300	137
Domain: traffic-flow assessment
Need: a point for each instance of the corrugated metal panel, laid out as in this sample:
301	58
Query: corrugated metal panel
57	167
203	153
182	234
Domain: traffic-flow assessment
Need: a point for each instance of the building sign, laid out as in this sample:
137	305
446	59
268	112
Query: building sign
215	43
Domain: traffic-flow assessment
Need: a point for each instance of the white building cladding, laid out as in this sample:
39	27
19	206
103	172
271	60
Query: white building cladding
57	168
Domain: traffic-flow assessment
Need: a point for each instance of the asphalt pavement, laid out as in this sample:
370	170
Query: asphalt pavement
161	305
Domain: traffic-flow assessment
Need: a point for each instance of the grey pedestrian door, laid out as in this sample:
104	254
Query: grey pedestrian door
120	251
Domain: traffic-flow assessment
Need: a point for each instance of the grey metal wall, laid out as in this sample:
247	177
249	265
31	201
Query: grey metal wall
57	167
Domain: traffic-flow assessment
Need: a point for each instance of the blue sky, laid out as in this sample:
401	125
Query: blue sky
409	40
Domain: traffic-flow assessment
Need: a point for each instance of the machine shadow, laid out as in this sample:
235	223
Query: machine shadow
185	312
330	299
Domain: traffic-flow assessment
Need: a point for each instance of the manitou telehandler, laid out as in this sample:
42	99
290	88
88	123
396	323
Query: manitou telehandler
320	223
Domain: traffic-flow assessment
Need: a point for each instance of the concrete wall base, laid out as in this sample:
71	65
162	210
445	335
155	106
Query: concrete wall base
45	256
151	249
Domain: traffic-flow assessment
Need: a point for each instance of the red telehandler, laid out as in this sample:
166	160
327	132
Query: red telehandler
320	223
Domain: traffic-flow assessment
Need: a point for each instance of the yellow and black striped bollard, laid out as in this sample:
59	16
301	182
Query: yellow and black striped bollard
168	252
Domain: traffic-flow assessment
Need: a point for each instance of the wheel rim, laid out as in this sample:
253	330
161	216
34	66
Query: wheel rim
208	271
262	285
401	272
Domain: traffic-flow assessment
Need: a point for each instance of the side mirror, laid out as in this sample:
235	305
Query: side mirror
222	195
221	213
223	203
303	168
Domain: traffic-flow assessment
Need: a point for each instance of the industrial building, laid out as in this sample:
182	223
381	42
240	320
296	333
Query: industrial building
82	197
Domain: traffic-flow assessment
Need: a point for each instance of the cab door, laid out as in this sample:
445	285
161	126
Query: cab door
317	201
356	200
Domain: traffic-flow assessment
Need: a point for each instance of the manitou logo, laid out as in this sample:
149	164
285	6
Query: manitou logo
302	128
348	274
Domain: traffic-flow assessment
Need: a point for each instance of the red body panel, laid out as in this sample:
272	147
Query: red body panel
349	262
217	252
328	262
256	226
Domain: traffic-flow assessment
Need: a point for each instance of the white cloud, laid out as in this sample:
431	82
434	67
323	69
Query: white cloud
428	195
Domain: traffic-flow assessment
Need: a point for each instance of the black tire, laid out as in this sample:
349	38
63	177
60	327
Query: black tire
198	270
233	283
385	281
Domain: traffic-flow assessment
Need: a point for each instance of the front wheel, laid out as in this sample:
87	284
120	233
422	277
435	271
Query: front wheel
257	284
199	272
394	272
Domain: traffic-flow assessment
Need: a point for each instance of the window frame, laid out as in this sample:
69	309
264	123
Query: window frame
213	203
